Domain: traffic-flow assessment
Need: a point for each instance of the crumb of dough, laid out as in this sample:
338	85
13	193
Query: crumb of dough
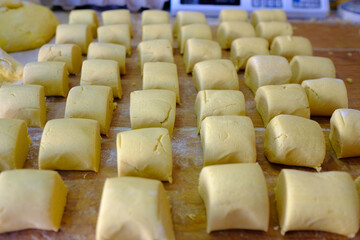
349	54
191	216
133	84
330	53
313	20
349	80
276	228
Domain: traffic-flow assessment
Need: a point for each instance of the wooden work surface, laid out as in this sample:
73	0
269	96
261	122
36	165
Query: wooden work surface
336	40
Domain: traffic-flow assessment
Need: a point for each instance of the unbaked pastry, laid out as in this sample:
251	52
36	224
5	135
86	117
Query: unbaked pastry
187	17
79	34
270	30
291	46
117	33
229	31
276	15
233	15
85	16
198	31
154	16
118	16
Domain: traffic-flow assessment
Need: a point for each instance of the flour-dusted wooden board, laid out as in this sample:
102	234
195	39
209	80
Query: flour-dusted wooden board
335	41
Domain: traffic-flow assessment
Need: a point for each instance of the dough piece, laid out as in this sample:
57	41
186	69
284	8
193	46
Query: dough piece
154	17
187	17
25	102
31	199
270	30
10	69
161	75
235	196
228	139
70	144
229	31
10	3
325	201
295	141
67	53
309	67
118	34
79	34
197	50
153	108
157	31
102	72
118	16
141	209
159	50
85	16
273	100
264	70
325	95
14	143
145	153
81	103
215	74
276	15
199	31
53	76
108	51
291	46
21	29
233	15
218	103
244	48
345	132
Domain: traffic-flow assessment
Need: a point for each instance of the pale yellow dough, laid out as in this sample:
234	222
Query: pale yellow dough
270	30
118	16
325	95
85	16
291	46
10	3
31	199
14	143
145	153
117	33
296	141
235	197
140	208
91	102
345	132
70	144
26	102
229	31
276	15
53	76
10	69
198	31
153	16
326	201
187	17
265	70
79	34
233	15
157	31
228	139
218	74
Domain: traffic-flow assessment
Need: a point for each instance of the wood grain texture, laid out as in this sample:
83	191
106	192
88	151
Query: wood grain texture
79	221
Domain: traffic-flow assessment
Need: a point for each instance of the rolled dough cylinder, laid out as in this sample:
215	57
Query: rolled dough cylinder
79	34
85	16
118	16
198	31
276	15
187	17
235	197
154	16
118	34
270	30
233	15
229	31
291	46
326	201
157	31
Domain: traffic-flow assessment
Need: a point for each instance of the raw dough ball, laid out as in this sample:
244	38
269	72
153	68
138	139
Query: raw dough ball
228	139
270	30
326	201
294	140
31	199
10	69
118	34
276	15
79	34
118	16
291	46
85	16
187	17
154	17
157	31
229	31
27	27
199	31
233	15
235	196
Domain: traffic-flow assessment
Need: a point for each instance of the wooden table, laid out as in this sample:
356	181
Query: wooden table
337	40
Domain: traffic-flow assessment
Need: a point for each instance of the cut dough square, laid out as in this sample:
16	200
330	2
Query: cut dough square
326	201
229	31
14	143
233	15
197	50
296	141
244	48
67	53
91	102
270	30
108	51
117	33
187	17
273	100
276	15
118	16
79	34
53	76
325	95
70	144
215	74
228	139
31	199
154	17
199	31
291	46
153	108
235	197
159	50
310	67
85	16
141	209
102	72
26	102
264	70
218	103
345	132
157	31
161	75
145	153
